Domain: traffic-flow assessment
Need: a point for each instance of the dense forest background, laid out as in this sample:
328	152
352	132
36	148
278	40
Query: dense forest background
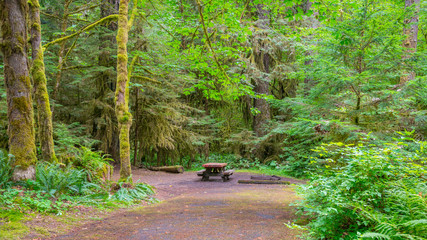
264	81
291	85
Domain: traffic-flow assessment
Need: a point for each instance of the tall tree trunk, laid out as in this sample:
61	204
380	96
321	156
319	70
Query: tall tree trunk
13	22
61	55
39	77
263	62
410	43
124	117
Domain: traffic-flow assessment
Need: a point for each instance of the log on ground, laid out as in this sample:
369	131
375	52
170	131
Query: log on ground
276	178
171	169
263	182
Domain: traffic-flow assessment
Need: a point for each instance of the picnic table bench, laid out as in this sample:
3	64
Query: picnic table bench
215	169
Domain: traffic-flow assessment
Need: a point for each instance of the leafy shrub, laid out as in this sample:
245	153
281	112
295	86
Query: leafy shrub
6	169
367	188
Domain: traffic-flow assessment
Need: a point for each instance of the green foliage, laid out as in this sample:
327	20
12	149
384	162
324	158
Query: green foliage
6	169
133	193
96	164
56	179
365	188
68	138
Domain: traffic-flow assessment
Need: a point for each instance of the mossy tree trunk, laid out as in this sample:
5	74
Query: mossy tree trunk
45	132
13	22
124	117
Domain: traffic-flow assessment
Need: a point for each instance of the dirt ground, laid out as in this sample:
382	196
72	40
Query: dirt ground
192	209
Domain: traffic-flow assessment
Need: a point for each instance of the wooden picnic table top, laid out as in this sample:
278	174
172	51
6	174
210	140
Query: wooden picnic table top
214	165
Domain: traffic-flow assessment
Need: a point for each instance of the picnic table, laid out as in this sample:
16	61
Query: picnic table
215	169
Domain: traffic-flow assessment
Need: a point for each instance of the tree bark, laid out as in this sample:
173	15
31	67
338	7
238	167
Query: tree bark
263	62
45	132
410	43
124	117
13	22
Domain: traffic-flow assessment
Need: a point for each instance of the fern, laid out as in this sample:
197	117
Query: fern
129	193
6	169
53	180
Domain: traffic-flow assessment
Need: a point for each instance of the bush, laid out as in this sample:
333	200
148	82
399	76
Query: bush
376	191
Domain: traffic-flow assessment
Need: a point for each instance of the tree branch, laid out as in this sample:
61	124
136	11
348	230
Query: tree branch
87	28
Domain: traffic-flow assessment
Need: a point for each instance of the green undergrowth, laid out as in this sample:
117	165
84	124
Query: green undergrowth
370	190
59	189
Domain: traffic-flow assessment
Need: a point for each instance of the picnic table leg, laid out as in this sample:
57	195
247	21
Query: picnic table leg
205	176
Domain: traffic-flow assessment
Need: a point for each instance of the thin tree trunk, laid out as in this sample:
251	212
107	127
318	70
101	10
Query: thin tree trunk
410	43
39	77
124	117
13	22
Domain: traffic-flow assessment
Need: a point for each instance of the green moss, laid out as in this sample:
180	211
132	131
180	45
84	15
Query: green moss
45	127
34	3
21	133
41	230
26	80
21	103
11	224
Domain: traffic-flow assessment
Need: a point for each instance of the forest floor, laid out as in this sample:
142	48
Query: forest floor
192	209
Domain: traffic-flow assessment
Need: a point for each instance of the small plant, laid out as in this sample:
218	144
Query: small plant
6	169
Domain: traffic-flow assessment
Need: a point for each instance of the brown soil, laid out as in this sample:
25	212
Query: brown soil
192	209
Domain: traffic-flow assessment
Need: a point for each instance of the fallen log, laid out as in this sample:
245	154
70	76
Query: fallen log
171	169
276	178
263	182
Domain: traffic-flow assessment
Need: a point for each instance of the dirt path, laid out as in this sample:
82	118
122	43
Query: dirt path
193	210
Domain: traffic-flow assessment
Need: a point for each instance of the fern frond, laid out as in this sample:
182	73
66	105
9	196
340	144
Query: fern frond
373	235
